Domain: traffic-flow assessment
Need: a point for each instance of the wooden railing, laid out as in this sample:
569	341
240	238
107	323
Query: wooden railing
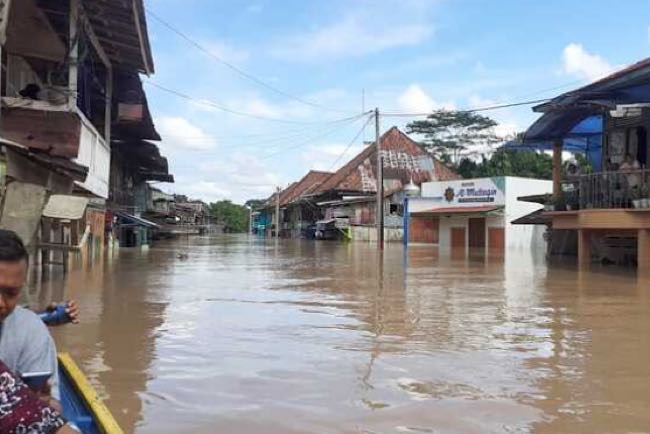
606	190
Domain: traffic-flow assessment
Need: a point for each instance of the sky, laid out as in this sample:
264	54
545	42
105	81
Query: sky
279	86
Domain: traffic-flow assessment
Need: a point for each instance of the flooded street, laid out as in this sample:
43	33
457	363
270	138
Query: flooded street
250	336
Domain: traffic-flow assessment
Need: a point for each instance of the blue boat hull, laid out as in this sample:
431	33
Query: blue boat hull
81	403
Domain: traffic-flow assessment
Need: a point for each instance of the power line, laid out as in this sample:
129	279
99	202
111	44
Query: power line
236	69
347	148
472	110
213	104
309	141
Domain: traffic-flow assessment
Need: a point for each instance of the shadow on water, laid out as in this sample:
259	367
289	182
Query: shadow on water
252	335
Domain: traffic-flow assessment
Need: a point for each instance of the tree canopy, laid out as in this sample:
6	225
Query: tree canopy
234	217
449	134
528	164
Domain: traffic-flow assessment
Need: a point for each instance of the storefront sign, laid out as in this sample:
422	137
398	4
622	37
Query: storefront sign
475	192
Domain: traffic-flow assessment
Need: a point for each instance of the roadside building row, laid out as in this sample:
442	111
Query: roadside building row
76	134
342	204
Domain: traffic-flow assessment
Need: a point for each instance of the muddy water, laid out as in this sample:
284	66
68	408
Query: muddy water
302	337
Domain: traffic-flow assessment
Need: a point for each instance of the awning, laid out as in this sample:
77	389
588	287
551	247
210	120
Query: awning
541	199
579	132
461	210
61	165
139	221
62	206
534	218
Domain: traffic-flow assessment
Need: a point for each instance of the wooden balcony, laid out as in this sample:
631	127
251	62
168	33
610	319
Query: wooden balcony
606	203
60	131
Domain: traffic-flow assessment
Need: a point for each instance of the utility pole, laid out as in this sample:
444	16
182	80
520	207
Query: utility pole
250	220
379	217
277	213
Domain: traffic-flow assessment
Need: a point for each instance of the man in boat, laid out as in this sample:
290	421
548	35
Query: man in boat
25	343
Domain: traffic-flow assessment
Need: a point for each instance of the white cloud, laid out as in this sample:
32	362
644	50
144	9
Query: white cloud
507	127
415	99
237	177
322	157
506	130
179	133
208	191
351	36
579	62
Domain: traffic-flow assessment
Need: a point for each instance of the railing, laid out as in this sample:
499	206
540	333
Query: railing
606	190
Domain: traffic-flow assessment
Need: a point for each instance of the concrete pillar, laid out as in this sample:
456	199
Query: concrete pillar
584	248
557	169
643	251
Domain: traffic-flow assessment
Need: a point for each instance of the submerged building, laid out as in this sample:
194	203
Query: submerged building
479	214
343	204
601	212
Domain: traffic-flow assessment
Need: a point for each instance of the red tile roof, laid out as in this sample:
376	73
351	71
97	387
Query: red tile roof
403	154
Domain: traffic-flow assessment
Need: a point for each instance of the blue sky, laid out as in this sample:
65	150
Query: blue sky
406	56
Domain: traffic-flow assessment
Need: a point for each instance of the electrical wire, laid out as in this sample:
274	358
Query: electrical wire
310	140
471	110
347	148
237	70
213	104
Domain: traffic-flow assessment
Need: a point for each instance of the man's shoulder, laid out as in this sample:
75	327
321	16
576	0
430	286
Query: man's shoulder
25	318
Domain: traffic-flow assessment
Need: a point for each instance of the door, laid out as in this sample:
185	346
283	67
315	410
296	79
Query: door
496	238
457	238
477	232
423	229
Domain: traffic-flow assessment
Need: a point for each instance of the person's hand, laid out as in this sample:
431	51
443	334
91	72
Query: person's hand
73	311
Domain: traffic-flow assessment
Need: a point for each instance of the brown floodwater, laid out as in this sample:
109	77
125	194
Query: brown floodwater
254	336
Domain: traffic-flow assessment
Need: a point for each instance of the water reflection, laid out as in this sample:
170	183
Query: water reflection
290	336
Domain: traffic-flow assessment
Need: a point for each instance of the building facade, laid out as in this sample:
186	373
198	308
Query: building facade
477	214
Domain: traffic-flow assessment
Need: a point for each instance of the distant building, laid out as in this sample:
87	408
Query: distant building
347	199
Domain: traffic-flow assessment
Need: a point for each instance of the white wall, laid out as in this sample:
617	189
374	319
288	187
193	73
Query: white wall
95	154
419	204
529	237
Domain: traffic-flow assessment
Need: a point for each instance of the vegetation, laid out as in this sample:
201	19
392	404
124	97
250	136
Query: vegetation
233	216
528	164
449	134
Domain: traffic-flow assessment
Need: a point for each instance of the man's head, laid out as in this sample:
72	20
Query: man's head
628	158
13	271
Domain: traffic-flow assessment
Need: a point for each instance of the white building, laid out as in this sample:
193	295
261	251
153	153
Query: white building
477	213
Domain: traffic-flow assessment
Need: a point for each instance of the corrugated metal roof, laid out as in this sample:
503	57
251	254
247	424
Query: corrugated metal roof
136	220
121	27
352	176
311	181
63	206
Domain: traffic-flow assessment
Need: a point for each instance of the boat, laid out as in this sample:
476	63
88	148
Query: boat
81	403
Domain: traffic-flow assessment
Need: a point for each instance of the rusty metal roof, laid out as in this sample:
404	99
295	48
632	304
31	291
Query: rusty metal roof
310	182
350	176
121	28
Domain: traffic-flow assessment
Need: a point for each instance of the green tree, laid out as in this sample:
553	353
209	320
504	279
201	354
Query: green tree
233	216
528	164
448	134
